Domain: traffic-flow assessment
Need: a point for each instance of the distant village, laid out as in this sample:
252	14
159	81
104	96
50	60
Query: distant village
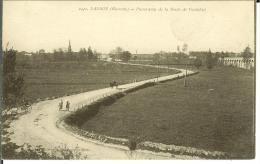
182	56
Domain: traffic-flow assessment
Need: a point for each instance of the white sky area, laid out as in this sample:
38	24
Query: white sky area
223	26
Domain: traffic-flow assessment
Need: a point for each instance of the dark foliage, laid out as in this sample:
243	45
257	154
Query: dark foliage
13	83
87	112
246	54
125	56
197	63
132	144
209	61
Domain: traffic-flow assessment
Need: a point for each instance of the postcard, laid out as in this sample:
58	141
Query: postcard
128	80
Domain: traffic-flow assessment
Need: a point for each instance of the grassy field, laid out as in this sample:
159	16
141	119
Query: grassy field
214	112
60	78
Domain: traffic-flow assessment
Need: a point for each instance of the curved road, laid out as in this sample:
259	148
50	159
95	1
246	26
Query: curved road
39	126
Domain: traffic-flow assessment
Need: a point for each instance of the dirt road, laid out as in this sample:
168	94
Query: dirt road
39	126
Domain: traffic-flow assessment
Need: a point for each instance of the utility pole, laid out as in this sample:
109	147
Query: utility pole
185	78
158	69
158	63
168	63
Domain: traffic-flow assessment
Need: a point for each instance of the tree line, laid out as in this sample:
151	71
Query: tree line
120	54
62	55
198	58
13	83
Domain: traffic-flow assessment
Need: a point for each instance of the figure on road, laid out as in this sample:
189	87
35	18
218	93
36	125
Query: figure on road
60	105
68	106
116	84
113	84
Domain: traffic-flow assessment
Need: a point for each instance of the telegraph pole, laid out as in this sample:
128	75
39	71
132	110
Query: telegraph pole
168	63
158	65
185	83
185	78
157	69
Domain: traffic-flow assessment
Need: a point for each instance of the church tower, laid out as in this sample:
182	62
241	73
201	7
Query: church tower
69	48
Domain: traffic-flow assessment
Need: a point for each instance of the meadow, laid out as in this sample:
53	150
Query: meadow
214	112
54	79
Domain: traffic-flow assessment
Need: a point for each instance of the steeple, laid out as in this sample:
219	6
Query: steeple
69	48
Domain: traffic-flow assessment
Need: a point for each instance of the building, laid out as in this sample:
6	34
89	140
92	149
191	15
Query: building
69	48
28	54
104	57
239	62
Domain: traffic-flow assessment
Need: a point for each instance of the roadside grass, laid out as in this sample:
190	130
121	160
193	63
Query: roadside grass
54	79
26	151
214	112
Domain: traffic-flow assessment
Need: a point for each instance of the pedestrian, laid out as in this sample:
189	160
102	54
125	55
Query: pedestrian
116	84
60	105
68	105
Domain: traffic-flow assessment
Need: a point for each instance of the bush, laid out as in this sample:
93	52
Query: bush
132	144
197	63
12	151
13	84
82	115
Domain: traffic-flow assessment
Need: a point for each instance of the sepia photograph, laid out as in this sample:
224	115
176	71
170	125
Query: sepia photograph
128	80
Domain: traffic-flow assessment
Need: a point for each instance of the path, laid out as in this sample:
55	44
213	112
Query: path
38	127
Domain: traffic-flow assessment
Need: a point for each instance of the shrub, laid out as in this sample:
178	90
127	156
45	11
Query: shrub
197	63
132	144
82	115
12	151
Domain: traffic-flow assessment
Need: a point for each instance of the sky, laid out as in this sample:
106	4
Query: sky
218	25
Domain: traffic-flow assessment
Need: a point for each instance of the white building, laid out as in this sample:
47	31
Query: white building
239	62
105	57
28	54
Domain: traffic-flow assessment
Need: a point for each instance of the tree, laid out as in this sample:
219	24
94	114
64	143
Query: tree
246	54
197	63
118	50
41	51
125	56
55	54
90	54
9	61
115	54
209	60
82	54
96	55
12	83
156	58
62	55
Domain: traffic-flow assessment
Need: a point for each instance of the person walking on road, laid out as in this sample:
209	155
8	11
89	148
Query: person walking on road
68	106
61	105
